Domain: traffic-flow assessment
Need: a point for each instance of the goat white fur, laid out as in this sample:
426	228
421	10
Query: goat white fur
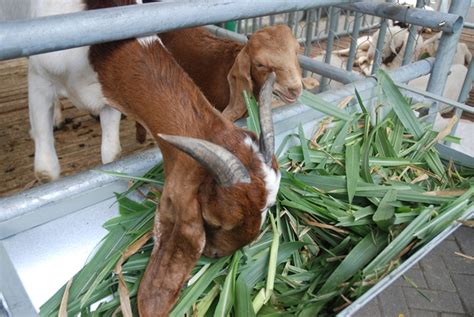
395	44
64	74
453	83
463	131
463	56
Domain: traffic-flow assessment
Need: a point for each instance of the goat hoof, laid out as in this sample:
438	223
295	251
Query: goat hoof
44	177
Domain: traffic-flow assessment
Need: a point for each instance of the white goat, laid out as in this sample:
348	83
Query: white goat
394	47
452	89
61	74
453	83
463	56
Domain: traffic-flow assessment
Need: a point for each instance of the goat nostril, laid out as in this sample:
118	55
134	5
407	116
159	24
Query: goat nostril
295	92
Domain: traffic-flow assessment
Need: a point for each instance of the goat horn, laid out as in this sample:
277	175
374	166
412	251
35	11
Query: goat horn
267	135
225	166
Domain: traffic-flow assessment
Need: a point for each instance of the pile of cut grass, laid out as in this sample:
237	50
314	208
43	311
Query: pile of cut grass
356	199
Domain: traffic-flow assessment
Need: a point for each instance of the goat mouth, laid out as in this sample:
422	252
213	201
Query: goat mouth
285	98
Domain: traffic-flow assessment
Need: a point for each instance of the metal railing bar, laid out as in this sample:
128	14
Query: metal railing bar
446	22
65	31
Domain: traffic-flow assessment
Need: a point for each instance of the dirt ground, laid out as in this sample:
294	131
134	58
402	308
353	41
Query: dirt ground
78	142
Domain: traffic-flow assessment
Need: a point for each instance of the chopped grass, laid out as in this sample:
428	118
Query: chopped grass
350	209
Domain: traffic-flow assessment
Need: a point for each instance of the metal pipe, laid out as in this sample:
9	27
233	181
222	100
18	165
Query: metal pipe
379	46
342	33
466	87
354	37
469	25
328	71
411	38
445	54
431	19
309	30
333	21
60	32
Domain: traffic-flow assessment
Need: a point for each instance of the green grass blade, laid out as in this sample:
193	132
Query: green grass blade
385	213
197	289
253	122
352	168
226	299
399	243
315	102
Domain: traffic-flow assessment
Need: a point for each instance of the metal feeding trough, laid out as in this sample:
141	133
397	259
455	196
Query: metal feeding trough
47	233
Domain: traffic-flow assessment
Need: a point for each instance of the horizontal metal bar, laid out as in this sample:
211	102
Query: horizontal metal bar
329	71
469	25
439	98
53	33
445	22
50	201
307	63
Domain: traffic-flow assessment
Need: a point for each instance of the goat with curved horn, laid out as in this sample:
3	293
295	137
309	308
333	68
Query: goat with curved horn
217	182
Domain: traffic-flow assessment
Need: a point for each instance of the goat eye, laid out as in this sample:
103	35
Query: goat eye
260	65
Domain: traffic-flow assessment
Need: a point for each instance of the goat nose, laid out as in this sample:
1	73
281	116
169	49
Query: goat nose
295	91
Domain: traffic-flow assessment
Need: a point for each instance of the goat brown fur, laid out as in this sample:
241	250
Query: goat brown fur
222	68
196	215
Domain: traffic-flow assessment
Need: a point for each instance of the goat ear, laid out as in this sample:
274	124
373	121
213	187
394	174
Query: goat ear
180	241
396	49
239	79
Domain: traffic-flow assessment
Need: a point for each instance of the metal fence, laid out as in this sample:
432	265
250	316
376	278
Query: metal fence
24	38
330	24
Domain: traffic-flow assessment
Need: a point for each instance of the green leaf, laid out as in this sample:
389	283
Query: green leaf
399	243
253	121
355	261
352	168
384	215
319	104
226	299
304	148
186	301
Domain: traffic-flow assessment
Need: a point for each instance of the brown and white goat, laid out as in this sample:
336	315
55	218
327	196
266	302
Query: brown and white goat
223	68
219	177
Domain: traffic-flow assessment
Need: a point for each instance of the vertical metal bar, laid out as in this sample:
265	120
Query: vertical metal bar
246	26
333	19
346	20
295	24
463	95
318	20
445	54
272	19
328	12
260	22
239	26
380	42
309	35
379	46
412	34
354	37
291	20
254	25
466	87
364	20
